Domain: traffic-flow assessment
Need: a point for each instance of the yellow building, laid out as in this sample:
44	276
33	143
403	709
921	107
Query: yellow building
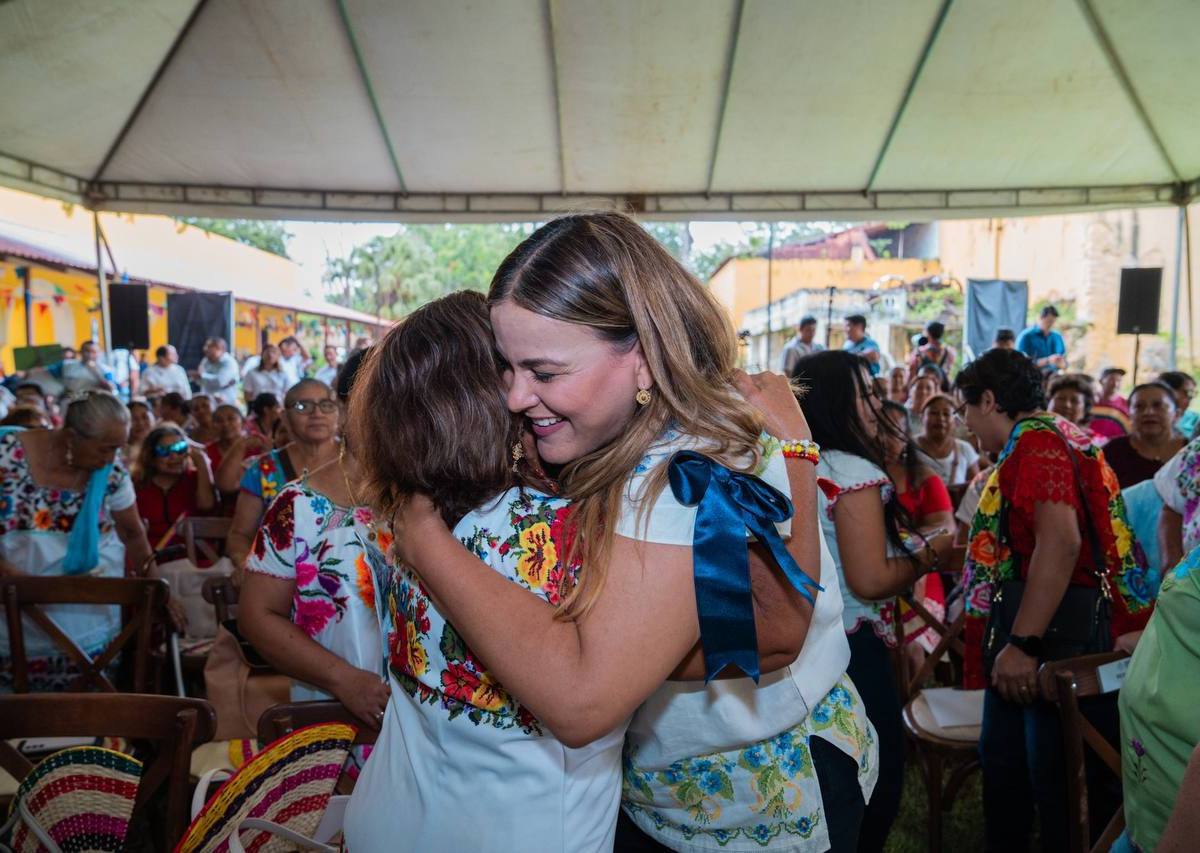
47	262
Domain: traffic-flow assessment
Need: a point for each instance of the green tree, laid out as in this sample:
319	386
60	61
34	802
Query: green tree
269	236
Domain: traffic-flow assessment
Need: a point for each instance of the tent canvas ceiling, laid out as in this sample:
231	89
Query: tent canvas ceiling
514	109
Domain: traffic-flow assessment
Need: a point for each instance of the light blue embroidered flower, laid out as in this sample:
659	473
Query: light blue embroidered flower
822	714
761	833
795	761
711	782
840	696
755	757
673	775
782	742
700	765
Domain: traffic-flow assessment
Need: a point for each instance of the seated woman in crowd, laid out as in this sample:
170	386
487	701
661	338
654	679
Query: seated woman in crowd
1050	527
311	419
898	385
869	537
26	417
307	600
612	388
173	481
1178	484
1070	396
923	496
1151	441
268	377
265	412
173	408
141	421
922	390
229	425
67	507
202	430
1184	385
954	460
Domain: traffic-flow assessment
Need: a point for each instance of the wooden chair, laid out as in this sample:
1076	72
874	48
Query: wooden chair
939	750
172	726
222	594
143	599
281	720
1064	683
204	538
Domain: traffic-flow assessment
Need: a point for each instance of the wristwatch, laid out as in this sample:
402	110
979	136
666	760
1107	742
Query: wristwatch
1031	646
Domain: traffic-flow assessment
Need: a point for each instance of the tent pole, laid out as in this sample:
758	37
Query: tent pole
102	282
1179	240
1187	243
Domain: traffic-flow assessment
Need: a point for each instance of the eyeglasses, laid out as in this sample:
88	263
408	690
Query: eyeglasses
307	407
960	412
162	451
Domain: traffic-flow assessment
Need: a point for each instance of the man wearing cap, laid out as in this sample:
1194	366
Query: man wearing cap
1110	382
800	345
1044	345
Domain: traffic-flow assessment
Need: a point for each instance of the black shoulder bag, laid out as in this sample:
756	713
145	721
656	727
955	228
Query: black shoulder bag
1082	623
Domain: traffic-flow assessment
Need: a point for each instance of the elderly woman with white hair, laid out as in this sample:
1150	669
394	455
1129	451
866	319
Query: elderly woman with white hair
67	507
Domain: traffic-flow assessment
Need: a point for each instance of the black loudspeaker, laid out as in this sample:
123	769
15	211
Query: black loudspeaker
129	316
1137	311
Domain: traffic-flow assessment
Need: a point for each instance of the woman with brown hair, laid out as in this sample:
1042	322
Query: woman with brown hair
619	361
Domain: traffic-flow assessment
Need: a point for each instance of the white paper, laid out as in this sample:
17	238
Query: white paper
1112	675
953	708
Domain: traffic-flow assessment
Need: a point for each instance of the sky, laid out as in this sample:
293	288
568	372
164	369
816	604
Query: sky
313	242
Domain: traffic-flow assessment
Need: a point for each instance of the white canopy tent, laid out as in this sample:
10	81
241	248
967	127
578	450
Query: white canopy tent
457	110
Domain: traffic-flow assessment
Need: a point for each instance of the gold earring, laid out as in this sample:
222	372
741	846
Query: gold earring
642	397
518	453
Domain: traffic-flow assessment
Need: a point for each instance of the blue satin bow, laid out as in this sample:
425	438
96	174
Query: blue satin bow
729	503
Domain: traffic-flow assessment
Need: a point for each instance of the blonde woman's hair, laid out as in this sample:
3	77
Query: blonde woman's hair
605	272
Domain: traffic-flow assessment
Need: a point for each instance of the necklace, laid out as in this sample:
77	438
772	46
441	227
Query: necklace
346	478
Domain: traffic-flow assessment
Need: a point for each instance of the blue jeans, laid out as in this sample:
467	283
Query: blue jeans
1021	750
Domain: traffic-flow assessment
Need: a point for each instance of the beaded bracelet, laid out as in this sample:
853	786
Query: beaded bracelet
804	449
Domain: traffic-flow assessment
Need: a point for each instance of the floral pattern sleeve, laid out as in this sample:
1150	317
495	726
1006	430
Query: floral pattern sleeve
1042	472
274	549
120	489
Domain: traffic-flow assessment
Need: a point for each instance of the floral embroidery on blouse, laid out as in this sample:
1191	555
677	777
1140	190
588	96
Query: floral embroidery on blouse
318	558
776	777
426	655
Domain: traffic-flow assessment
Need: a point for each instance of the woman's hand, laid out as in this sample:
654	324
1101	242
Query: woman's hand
774	397
416	522
364	694
1014	675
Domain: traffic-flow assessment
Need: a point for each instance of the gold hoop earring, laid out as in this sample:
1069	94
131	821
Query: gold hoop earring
518	453
642	397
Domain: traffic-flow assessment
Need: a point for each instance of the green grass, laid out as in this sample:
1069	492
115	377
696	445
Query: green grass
962	826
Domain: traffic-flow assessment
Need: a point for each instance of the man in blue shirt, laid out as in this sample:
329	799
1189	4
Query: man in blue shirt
860	343
1042	344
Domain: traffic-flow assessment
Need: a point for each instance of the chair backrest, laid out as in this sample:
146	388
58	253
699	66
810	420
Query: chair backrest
204	538
172	726
144	602
1064	683
222	594
281	720
949	637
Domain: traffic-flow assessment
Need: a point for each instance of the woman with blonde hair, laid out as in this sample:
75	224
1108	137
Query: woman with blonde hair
620	363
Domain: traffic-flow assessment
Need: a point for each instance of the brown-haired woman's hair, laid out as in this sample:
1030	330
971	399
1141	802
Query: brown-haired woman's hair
427	411
147	464
603	271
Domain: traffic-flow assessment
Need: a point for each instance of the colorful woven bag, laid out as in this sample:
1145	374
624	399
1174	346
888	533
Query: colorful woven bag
288	784
76	800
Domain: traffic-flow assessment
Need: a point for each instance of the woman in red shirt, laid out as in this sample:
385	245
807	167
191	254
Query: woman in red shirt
167	486
1049	498
923	496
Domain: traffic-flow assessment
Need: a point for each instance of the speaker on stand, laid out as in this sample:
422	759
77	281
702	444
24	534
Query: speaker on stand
129	316
1137	310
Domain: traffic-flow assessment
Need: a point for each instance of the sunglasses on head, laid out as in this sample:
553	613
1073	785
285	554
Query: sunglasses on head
162	451
307	407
